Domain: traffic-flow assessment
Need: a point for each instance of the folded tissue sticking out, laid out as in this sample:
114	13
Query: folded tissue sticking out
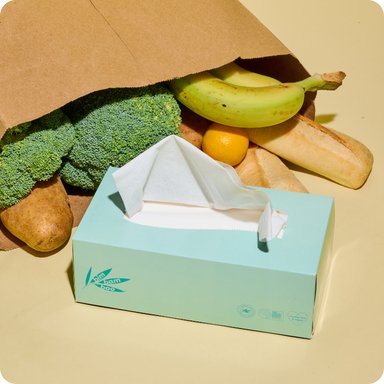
174	184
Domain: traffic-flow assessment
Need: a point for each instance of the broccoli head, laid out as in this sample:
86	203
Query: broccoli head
115	125
32	152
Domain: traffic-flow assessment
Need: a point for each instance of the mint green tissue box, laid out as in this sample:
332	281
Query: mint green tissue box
220	277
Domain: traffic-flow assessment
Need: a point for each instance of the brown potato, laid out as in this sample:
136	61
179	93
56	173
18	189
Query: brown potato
43	220
193	127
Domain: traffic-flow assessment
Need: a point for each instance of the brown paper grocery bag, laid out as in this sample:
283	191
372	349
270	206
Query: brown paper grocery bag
55	51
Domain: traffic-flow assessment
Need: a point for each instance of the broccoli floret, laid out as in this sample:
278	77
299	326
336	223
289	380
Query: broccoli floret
77	177
32	152
110	127
115	125
14	134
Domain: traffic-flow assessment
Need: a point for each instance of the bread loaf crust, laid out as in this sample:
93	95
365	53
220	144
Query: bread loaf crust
322	150
264	169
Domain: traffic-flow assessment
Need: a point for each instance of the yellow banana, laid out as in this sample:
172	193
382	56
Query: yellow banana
247	106
235	74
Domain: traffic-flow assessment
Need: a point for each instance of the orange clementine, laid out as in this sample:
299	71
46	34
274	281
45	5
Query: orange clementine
225	143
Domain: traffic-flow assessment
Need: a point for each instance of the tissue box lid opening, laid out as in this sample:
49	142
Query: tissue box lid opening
299	251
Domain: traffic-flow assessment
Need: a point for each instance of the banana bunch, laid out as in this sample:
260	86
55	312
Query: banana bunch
236	97
271	128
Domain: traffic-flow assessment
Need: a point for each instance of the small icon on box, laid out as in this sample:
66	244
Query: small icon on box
246	310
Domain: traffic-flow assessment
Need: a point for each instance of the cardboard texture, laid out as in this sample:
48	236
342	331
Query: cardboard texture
55	51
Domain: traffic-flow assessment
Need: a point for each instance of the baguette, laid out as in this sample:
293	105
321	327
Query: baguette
322	150
264	169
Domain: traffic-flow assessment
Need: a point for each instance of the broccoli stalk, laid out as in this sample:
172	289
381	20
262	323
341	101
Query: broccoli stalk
32	152
115	125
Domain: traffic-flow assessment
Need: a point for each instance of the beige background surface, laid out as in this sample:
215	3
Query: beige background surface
45	337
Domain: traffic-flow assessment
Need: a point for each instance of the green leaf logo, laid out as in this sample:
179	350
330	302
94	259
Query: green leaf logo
100	281
88	276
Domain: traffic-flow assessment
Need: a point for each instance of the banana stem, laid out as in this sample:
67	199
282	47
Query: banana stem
326	81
